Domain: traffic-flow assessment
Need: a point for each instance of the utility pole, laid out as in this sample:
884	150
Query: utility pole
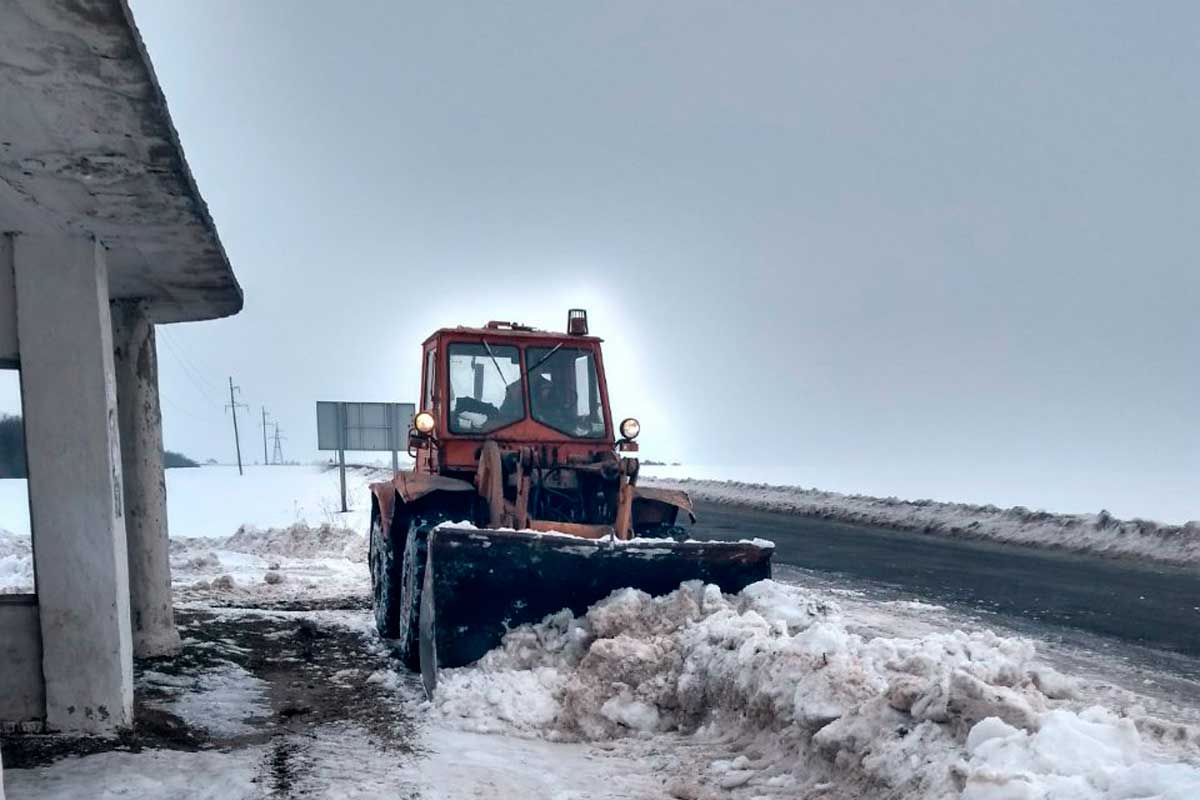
264	427
278	457
233	406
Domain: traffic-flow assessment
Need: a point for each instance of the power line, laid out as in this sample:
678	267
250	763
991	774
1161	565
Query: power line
177	351
175	405
191	375
194	363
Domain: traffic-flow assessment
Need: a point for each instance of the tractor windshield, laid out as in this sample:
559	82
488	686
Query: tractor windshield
485	387
563	391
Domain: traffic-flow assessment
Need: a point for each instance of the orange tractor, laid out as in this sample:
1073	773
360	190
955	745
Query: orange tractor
523	500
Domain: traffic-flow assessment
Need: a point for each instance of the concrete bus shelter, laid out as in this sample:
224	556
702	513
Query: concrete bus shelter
103	236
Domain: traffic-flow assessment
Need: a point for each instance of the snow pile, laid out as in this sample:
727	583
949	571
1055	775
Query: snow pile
1092	533
16	563
919	717
299	541
1093	755
273	563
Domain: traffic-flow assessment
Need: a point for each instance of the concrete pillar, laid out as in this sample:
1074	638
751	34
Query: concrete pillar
76	500
8	304
140	420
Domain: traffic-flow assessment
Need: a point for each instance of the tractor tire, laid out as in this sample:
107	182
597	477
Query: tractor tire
385	579
412	578
397	578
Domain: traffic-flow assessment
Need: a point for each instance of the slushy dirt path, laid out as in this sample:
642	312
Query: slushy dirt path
287	680
300	699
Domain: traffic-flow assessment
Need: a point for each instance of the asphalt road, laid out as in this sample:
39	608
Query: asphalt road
1153	606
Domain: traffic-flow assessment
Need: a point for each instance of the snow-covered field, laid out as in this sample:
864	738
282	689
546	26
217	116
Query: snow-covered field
216	501
793	688
1092	533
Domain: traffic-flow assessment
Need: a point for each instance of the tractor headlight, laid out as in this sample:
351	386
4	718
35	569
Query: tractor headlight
424	423
630	428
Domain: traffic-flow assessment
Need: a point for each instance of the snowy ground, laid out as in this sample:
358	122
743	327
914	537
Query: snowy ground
1093	533
791	689
267	497
795	688
214	503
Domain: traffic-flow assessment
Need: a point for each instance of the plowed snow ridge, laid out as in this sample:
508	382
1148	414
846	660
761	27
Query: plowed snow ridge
1091	533
16	563
823	710
293	563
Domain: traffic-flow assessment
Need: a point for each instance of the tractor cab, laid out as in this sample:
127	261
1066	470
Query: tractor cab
519	387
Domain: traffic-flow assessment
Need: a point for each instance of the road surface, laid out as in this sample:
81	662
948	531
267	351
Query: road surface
1149	605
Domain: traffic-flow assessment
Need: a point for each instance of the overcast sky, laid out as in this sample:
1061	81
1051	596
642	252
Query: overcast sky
939	250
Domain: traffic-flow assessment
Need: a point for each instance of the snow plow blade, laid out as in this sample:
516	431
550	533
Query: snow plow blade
479	583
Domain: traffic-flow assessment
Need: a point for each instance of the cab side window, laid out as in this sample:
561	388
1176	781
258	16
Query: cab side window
430	378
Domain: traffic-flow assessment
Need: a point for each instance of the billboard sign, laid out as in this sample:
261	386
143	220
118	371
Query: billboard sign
363	426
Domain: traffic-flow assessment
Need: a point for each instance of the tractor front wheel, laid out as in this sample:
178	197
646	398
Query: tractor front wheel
411	581
385	579
397	576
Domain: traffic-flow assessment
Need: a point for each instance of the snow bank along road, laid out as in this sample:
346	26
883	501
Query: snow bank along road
1153	603
1086	533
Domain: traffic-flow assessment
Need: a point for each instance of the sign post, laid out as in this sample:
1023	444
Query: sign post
363	426
341	408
